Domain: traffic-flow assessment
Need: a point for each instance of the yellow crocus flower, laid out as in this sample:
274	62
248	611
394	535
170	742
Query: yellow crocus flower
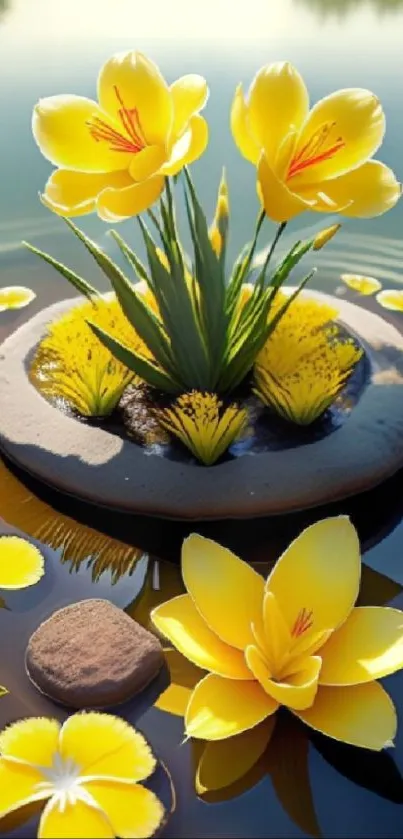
318	159
113	156
295	640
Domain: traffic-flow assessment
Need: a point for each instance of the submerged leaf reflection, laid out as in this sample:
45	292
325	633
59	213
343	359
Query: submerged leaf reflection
79	544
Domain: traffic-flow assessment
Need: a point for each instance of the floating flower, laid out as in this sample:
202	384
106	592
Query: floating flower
204	424
114	156
391	299
317	159
72	365
21	564
305	362
364	285
88	771
15	297
295	640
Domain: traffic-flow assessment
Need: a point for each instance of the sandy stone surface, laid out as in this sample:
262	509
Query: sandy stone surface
92	655
99	467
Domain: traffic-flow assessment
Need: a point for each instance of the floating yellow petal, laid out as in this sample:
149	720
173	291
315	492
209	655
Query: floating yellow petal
225	761
364	285
362	715
221	708
21	564
15	297
392	300
131	810
80	820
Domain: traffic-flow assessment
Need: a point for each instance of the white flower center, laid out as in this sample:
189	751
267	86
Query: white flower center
63	781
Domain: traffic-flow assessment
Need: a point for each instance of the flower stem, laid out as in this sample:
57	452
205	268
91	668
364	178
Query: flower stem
279	232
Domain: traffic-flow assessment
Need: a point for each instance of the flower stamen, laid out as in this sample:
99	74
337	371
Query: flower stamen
314	152
304	621
102	132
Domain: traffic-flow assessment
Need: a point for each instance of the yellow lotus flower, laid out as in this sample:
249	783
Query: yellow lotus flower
391	299
318	159
295	640
21	564
15	297
363	285
88	771
114	156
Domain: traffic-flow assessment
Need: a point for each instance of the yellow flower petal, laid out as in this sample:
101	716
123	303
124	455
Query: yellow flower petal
356	119
189	147
298	691
105	746
368	191
278	102
33	741
279	203
76	821
15	297
368	646
240	127
75	193
221	708
132	810
235	601
18	786
226	761
147	162
119	204
391	299
364	285
182	624
316	580
132	79
63	129
362	715
189	95
21	564
184	677
277	633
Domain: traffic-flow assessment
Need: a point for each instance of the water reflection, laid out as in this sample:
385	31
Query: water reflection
341	8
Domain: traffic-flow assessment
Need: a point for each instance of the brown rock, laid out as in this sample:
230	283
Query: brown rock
92	655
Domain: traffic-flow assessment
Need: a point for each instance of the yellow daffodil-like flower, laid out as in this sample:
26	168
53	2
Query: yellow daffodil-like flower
294	640
72	365
318	159
304	363
113	156
204	424
363	285
392	300
15	297
21	564
88	771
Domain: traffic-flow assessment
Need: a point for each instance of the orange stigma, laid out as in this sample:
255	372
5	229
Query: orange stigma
130	141
303	622
315	151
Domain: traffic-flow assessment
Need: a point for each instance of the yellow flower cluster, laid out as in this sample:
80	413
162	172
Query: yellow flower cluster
72	365
305	363
204	424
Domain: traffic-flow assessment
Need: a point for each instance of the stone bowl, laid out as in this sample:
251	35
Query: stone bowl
95	465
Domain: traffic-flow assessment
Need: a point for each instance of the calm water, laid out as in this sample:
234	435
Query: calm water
303	787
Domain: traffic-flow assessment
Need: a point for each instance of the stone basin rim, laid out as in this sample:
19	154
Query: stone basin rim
97	467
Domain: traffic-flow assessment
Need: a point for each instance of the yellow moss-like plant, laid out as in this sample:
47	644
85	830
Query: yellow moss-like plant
73	366
204	424
305	363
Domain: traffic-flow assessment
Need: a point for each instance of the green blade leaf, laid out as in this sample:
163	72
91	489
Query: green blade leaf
81	285
130	255
147	371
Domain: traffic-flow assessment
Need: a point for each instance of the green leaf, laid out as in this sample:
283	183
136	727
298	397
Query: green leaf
130	255
141	317
273	323
147	371
81	285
